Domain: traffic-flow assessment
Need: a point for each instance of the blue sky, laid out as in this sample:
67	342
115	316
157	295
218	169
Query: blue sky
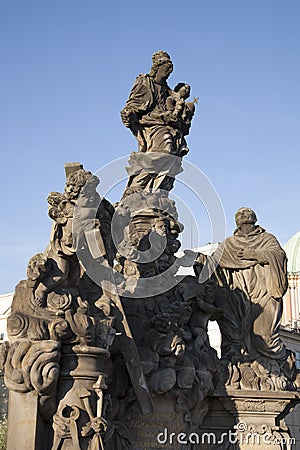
66	71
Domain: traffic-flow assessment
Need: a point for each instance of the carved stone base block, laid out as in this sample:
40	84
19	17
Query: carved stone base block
248	420
71	421
153	431
26	429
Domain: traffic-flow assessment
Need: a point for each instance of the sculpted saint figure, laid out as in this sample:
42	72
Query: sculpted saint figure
160	118
158	125
252	279
78	214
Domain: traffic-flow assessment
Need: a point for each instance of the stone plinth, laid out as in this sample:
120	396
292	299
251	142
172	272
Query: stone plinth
77	394
153	431
26	430
248	420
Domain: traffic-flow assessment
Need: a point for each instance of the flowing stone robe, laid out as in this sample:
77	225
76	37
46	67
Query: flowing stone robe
250	294
152	126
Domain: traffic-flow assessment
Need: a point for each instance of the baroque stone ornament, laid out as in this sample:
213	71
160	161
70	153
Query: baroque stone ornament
237	422
108	345
256	388
168	315
160	118
102	333
59	331
251	279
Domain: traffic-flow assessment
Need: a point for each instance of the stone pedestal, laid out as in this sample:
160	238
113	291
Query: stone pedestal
248	420
79	405
78	397
26	428
158	429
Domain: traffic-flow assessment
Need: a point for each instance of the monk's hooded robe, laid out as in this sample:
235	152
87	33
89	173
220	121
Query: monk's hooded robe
250	294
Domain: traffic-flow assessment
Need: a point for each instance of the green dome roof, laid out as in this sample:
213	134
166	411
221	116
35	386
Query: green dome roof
292	249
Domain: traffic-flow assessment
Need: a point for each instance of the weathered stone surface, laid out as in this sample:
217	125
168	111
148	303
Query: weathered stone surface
238	421
108	347
61	328
167	315
250	270
148	431
3	397
160	118
29	430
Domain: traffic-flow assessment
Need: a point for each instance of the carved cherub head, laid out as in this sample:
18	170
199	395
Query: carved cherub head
161	226
37	266
77	180
184	90
59	207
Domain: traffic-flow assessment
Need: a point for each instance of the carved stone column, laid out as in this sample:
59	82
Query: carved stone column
81	398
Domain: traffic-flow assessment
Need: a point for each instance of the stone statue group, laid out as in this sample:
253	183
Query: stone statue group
250	266
96	352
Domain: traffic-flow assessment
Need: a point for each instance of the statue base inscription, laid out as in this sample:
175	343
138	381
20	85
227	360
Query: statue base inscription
251	420
158	429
